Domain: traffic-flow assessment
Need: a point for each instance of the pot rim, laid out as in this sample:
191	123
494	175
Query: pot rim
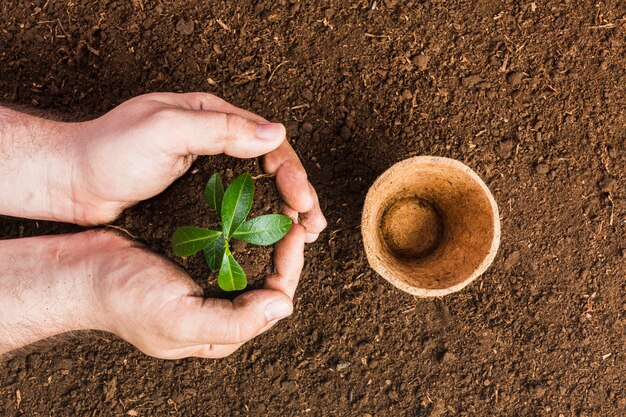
413	163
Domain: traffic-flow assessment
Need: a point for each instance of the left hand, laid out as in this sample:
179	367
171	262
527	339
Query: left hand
138	149
154	305
100	280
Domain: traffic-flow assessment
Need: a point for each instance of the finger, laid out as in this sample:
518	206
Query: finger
289	260
293	185
291	213
311	237
216	351
313	220
207	351
198	132
205	101
230	322
295	189
291	176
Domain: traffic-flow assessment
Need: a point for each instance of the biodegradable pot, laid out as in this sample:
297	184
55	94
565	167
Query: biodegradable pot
430	226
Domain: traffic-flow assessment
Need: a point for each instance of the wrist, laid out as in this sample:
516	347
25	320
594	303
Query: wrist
47	287
68	201
80	205
65	199
39	168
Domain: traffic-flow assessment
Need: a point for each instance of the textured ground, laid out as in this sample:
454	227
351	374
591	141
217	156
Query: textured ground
529	94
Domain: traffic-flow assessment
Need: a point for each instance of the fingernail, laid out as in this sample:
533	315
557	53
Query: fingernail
270	131
277	309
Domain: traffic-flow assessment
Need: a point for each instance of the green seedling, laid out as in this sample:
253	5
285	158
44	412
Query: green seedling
232	207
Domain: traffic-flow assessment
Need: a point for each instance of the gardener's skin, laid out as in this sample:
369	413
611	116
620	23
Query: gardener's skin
87	173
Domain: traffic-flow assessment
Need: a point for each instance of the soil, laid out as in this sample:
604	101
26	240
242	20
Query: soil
411	228
531	95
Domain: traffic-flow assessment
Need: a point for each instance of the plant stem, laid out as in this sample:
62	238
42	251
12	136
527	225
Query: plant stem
227	248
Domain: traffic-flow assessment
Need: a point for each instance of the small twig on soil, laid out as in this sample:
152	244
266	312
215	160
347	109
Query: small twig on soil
244	78
276	69
612	209
261	176
413	104
552	88
371	35
223	25
606	26
62	29
505	63
232	369
604	158
91	49
299	106
326	23
121	229
333	234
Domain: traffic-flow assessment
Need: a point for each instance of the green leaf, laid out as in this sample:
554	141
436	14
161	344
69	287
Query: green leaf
214	192
264	230
237	203
214	253
231	277
188	240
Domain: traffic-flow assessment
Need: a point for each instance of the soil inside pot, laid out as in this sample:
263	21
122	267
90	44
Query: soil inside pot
411	228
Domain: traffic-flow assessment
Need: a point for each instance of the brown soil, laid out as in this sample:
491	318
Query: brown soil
411	228
531	95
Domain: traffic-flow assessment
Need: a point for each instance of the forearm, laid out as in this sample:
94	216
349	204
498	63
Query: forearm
46	288
37	167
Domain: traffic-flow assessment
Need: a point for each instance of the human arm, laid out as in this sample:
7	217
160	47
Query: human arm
36	167
98	280
88	172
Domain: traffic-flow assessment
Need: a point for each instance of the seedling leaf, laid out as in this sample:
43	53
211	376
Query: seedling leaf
264	230
214	192
237	203
231	277
214	253
188	240
232	206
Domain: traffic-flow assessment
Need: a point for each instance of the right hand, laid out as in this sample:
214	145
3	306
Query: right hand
153	304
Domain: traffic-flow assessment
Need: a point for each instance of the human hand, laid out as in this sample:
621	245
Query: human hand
138	149
99	280
154	305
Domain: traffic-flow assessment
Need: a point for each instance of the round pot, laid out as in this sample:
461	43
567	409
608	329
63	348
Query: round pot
430	226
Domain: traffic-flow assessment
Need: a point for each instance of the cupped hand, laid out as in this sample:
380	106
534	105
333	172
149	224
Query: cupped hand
138	149
153	304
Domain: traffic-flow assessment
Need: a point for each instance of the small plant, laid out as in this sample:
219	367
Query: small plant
232	207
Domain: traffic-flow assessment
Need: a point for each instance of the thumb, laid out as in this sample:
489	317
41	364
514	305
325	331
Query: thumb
228	322
202	132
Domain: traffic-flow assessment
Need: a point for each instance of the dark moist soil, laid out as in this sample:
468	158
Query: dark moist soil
531	95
